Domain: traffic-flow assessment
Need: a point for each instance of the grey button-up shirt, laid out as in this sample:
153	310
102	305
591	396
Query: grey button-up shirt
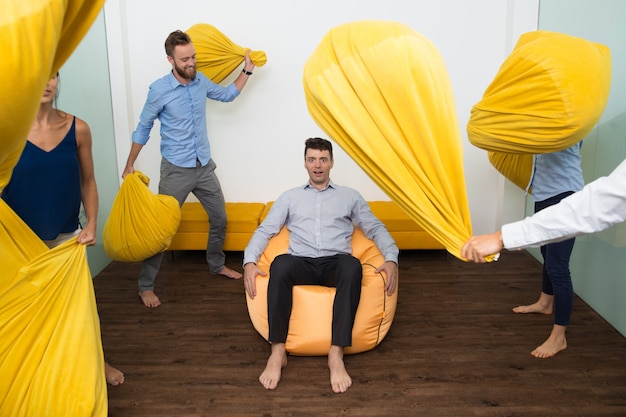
321	223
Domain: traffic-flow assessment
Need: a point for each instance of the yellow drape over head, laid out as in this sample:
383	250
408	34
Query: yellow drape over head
548	95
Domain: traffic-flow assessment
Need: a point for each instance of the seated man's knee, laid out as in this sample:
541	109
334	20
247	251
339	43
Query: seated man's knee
281	266
350	266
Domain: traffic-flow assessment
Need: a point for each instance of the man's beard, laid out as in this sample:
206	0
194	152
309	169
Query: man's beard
184	74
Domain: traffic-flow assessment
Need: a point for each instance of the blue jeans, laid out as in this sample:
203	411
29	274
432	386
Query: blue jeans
557	280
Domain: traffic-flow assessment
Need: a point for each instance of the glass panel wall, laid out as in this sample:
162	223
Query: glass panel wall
85	91
598	263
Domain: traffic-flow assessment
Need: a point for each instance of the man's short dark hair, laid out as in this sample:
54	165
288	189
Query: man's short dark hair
319	144
178	37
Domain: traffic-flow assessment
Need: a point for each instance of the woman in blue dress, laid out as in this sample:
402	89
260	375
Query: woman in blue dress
53	176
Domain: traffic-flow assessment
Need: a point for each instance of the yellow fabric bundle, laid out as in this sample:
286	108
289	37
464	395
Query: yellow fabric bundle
382	92
18	244
141	223
216	55
42	34
51	358
547	96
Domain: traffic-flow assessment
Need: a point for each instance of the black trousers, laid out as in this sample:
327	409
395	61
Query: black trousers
344	272
557	279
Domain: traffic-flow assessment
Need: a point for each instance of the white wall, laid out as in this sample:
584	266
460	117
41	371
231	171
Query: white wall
257	140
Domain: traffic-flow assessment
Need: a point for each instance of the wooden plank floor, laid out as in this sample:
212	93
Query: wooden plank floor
454	349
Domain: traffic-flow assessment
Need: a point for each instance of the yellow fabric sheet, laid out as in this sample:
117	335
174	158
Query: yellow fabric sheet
37	37
382	92
51	360
216	55
141	223
548	95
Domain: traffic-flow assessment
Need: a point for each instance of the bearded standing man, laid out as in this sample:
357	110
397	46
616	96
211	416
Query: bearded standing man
178	100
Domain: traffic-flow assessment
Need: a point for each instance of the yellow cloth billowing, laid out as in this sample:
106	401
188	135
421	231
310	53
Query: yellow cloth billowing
51	360
216	55
547	96
141	223
382	92
37	37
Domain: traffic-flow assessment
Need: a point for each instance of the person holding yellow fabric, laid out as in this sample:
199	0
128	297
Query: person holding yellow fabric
320	217
556	176
54	175
178	100
598	206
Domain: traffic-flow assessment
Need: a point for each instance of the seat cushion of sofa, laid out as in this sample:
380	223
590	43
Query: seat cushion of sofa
394	218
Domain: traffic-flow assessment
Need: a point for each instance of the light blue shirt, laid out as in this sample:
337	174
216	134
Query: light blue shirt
557	172
181	109
321	223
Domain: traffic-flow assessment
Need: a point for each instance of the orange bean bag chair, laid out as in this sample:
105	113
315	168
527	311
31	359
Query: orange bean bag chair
311	316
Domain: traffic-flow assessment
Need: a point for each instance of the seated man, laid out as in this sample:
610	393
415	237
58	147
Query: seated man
320	217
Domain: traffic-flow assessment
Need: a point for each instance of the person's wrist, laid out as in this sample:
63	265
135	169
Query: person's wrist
500	240
245	71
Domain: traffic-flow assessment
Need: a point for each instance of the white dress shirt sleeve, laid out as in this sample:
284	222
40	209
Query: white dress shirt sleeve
599	205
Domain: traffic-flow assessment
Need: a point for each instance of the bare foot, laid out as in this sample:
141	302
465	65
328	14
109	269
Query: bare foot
277	361
544	305
229	273
340	381
114	376
555	343
149	298
533	308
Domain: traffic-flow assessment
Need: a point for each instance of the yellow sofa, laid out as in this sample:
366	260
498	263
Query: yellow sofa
243	219
193	231
404	230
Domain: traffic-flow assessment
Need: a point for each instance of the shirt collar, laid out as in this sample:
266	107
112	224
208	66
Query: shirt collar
331	184
175	83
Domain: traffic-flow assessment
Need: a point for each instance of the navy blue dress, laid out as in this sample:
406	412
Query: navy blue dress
44	189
